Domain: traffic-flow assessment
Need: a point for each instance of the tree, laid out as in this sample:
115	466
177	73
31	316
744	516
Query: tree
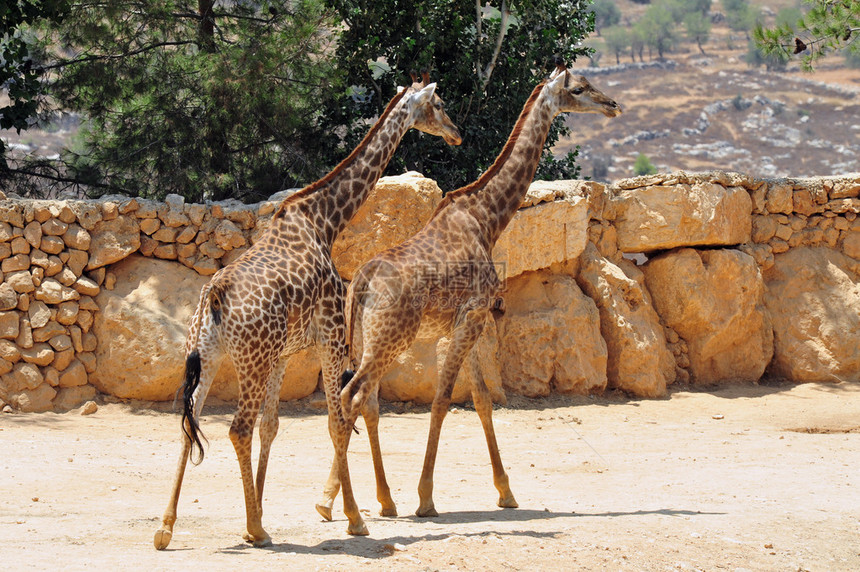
658	25
204	99
617	41
606	13
740	16
486	58
698	28
643	165
829	25
20	74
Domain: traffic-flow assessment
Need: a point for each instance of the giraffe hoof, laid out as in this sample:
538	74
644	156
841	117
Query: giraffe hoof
162	538
388	511
325	511
357	529
261	542
508	502
426	512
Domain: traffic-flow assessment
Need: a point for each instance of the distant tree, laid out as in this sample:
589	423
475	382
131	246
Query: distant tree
698	28
829	25
606	13
20	71
643	165
740	16
487	57
658	25
617	41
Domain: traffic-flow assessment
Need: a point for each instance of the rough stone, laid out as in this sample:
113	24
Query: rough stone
141	329
545	234
113	240
52	292
8	297
77	237
9	325
549	337
39	354
21	281
70	397
34	400
664	217
714	299
814	301
39	314
74	375
639	360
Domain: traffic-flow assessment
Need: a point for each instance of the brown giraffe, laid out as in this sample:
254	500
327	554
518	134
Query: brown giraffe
442	282
283	294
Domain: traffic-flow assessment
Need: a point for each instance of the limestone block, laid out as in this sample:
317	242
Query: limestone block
549	337
113	240
67	313
9	351
52	292
141	328
663	217
77	237
54	227
813	296
48	331
33	233
34	400
70	397
40	354
74	375
395	209
780	198
714	300
39	314
23	376
21	281
639	360
545	234
851	245
16	263
149	225
9	325
8	297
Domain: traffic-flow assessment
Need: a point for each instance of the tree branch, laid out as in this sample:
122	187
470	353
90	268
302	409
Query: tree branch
503	28
88	59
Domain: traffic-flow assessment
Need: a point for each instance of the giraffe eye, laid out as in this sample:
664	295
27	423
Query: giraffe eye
577	91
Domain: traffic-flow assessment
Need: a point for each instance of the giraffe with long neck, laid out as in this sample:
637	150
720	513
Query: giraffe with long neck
284	293
442	282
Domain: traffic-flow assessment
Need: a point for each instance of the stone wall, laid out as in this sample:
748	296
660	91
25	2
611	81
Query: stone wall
697	279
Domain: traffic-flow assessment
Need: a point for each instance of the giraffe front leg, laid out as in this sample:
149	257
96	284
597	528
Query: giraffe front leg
269	426
332	487
370	412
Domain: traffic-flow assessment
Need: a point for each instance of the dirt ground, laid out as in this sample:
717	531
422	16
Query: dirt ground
743	478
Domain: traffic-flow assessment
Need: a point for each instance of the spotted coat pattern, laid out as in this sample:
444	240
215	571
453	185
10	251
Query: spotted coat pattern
283	294
442	282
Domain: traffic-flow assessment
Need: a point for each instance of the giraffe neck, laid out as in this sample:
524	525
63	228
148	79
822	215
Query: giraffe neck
495	197
331	202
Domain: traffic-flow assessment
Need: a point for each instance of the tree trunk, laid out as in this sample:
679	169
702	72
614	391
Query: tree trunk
206	28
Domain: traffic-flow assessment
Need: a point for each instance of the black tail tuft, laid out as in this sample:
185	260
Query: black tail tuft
346	378
190	426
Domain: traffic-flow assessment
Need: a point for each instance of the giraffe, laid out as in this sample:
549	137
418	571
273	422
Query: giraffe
442	282
284	293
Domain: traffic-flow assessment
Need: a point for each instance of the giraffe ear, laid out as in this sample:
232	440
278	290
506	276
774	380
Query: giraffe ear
425	95
400	88
557	79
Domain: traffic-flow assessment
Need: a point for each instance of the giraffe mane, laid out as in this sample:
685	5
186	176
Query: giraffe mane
297	196
481	182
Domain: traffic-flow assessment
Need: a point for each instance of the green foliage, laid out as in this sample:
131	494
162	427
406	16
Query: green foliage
617	40
828	25
201	99
485	59
775	60
740	16
698	28
20	73
659	27
643	165
606	13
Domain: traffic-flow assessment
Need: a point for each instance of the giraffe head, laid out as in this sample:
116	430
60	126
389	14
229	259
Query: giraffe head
573	93
428	111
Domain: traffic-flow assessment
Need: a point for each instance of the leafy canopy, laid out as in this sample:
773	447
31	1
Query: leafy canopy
485	57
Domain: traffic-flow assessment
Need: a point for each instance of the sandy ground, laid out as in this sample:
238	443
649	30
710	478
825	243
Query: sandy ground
744	478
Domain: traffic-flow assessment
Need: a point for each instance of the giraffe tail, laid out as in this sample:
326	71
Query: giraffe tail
190	425
210	298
